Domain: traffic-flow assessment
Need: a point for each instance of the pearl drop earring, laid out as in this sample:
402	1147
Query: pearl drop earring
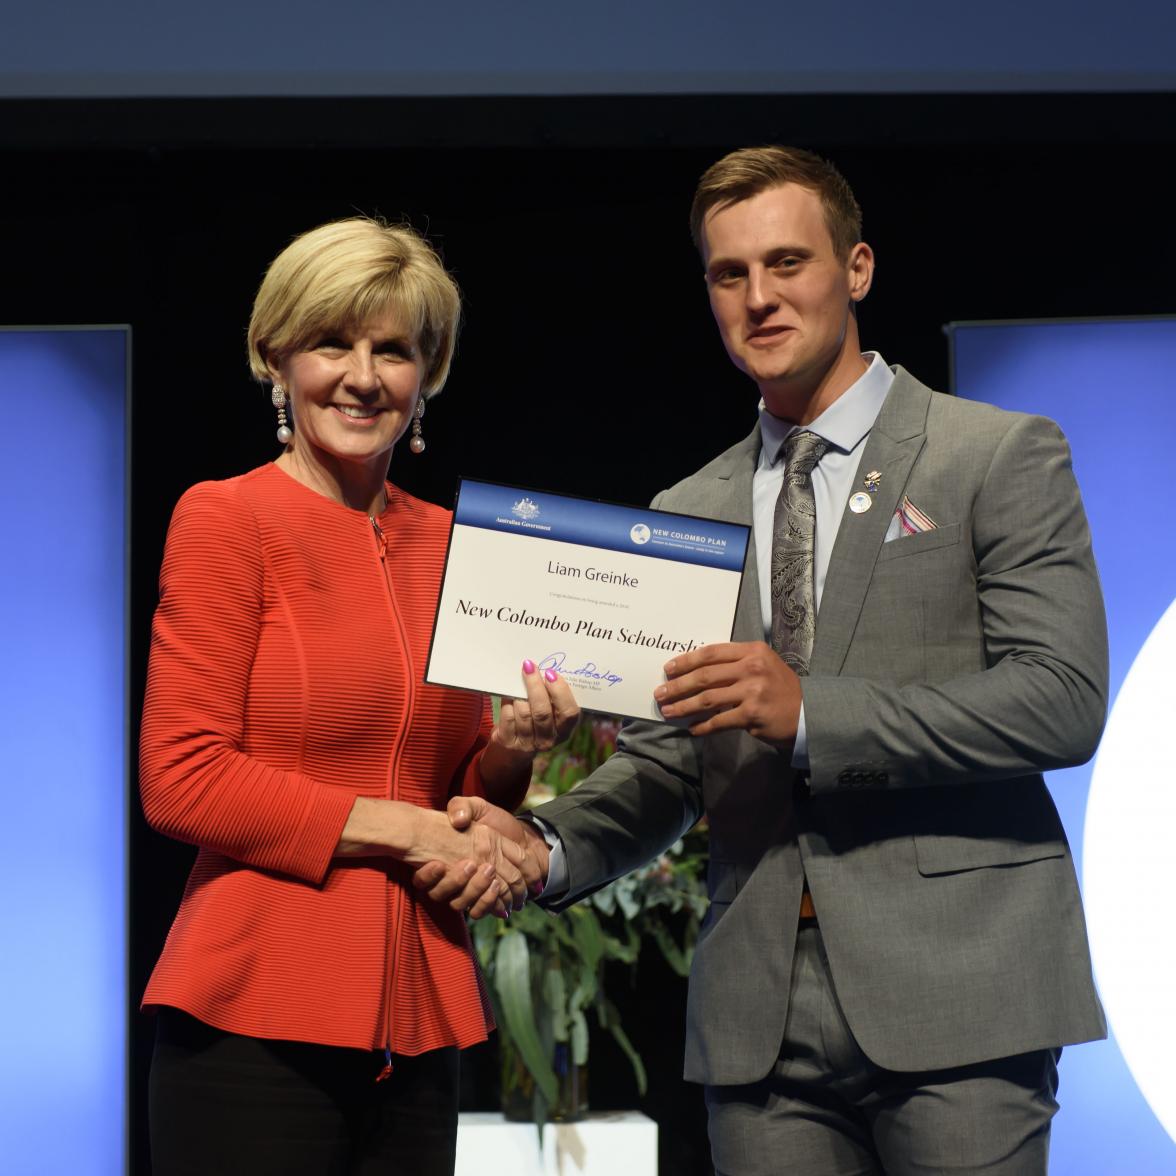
417	442
278	397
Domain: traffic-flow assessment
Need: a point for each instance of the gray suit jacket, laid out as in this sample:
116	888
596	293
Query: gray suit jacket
950	668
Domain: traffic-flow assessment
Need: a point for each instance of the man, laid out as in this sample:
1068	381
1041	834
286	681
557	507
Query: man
895	950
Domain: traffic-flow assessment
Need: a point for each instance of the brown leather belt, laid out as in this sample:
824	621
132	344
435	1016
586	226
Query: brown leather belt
807	910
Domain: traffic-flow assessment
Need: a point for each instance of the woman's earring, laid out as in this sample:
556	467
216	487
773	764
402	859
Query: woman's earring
417	442
278	396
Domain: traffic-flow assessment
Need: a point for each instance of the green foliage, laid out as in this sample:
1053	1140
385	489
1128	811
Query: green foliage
547	972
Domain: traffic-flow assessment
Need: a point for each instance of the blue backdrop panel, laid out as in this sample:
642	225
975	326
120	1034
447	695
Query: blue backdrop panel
63	701
1111	386
299	47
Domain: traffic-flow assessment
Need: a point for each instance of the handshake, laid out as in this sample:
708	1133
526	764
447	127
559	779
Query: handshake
475	856
504	862
478	858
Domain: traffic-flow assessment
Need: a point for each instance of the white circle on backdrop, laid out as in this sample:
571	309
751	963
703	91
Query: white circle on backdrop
1129	869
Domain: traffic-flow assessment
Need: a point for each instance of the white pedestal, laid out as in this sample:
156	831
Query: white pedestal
621	1142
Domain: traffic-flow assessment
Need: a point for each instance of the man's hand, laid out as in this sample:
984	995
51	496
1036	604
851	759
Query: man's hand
733	686
467	889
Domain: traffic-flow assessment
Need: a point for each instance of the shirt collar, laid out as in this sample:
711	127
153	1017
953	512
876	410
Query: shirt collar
844	423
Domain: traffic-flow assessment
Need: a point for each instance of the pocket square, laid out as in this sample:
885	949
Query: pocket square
908	519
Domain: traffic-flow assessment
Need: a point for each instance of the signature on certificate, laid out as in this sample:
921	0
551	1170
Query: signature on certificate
555	661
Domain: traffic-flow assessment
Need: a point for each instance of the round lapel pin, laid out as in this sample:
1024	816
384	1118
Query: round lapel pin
860	502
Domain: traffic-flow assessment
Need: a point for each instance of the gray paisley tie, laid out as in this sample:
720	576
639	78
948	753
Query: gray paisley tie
794	611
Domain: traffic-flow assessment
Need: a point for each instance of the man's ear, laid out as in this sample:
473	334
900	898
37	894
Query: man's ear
861	271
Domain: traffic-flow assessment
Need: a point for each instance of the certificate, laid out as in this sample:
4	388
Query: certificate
604	594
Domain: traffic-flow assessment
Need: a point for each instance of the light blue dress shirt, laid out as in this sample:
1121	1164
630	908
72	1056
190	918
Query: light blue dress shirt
845	424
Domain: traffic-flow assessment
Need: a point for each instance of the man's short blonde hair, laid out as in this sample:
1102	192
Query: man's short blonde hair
345	274
752	170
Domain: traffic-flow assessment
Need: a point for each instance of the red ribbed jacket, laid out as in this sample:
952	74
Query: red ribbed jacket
286	678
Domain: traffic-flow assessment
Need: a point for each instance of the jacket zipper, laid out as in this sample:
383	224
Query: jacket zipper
397	896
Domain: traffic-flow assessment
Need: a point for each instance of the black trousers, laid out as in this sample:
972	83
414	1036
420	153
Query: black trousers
242	1106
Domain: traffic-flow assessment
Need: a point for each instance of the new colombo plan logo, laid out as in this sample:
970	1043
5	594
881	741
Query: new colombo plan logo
639	533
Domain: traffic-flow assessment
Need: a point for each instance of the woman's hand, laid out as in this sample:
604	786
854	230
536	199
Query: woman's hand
545	717
526	726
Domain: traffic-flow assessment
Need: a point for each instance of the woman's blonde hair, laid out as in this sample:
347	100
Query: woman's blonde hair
346	273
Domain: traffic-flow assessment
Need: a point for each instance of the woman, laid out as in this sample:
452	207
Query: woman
311	1005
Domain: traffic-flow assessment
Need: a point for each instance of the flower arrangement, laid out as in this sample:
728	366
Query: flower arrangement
547	973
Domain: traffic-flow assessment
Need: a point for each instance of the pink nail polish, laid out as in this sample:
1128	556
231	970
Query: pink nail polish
550	675
528	666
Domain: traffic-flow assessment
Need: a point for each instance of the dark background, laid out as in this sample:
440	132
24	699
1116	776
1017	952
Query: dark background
588	362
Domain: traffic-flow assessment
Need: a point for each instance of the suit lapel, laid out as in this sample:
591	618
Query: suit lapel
732	503
894	442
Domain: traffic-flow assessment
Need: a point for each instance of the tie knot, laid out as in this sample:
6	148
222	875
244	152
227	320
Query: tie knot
802	449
